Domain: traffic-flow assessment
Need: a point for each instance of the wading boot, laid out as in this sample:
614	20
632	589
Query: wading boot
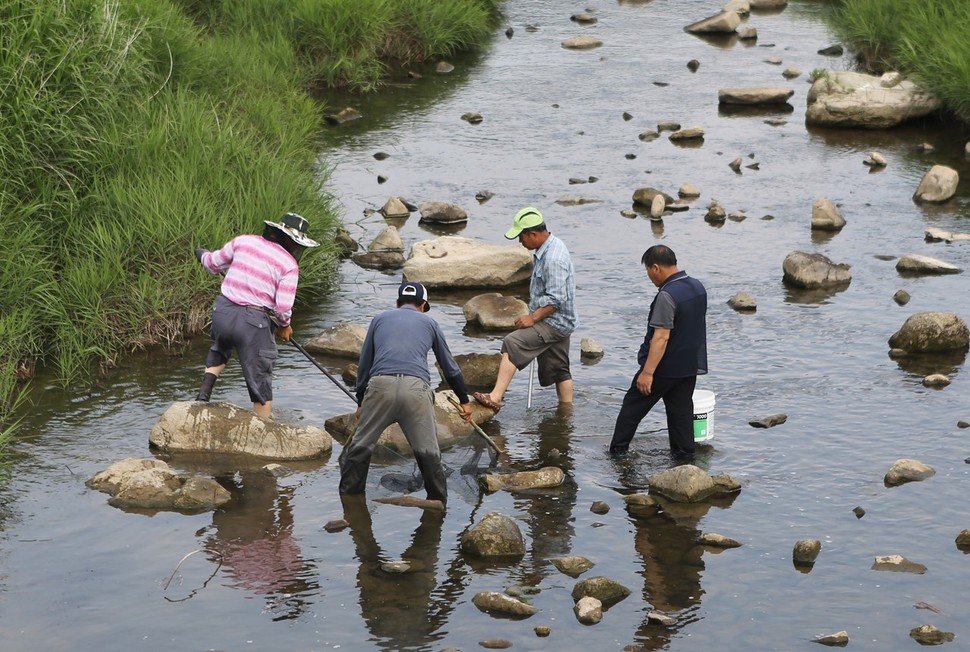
205	391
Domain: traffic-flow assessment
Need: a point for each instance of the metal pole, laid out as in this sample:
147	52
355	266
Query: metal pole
320	367
478	428
532	368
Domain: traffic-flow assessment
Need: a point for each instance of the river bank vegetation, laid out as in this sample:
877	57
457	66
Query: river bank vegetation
134	131
926	40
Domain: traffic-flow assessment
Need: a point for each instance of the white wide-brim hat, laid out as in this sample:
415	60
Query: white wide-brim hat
296	227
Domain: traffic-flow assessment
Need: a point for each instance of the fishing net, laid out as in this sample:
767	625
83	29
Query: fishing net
466	456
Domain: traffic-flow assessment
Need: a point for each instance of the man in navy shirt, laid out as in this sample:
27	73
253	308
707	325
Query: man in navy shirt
394	386
673	354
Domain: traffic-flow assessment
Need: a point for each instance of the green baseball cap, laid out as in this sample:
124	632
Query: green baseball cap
524	219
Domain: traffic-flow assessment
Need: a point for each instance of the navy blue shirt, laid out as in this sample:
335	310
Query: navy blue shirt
398	342
681	306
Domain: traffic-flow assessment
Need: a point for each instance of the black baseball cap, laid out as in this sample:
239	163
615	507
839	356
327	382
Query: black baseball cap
413	291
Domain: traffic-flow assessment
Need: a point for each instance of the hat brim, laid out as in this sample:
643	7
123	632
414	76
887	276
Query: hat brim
294	235
518	228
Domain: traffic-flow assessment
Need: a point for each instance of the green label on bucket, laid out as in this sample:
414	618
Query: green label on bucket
700	427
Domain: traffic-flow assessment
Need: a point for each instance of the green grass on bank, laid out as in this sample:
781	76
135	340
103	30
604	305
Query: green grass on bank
133	131
352	42
928	40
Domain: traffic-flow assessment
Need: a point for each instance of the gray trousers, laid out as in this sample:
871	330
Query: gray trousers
409	402
250	332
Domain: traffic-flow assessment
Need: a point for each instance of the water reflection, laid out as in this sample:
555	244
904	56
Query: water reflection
924	364
722	41
387	110
252	535
903	138
821	236
753	111
549	514
814	296
666	540
402	608
438	229
397	222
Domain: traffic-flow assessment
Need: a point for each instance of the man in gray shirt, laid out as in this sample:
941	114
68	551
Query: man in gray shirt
394	386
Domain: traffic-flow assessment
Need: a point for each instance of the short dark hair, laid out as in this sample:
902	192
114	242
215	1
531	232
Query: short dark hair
538	228
659	255
414	301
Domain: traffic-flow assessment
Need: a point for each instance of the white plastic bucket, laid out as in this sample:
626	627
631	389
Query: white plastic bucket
703	414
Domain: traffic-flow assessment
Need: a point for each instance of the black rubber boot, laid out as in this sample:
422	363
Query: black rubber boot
434	476
205	391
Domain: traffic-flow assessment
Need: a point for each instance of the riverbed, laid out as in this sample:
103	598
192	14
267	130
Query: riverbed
76	573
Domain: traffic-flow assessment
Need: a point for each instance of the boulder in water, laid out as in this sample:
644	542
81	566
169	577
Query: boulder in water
191	426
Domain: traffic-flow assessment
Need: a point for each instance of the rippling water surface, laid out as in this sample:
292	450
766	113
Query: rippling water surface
76	573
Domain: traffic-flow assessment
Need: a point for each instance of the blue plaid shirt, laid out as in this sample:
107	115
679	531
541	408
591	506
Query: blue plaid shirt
554	284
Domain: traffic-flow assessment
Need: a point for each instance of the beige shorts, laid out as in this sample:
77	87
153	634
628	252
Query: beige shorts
543	344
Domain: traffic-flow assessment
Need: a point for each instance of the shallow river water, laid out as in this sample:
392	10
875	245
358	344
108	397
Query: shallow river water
76	573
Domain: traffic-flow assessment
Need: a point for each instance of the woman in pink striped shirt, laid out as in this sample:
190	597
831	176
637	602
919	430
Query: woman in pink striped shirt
255	302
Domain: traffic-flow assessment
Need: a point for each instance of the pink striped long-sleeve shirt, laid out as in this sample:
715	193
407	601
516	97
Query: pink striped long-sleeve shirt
258	273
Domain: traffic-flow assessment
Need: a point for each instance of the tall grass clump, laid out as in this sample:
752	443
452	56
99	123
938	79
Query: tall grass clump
353	44
127	139
427	29
133	131
927	40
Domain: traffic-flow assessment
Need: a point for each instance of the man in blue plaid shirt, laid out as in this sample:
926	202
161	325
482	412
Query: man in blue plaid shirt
543	334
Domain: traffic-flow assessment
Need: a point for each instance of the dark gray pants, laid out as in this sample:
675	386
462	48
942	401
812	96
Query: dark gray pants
250	331
678	397
409	402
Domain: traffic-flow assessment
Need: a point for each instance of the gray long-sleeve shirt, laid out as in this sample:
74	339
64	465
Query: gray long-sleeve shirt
398	342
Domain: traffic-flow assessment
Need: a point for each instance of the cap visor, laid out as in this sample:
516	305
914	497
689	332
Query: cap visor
513	233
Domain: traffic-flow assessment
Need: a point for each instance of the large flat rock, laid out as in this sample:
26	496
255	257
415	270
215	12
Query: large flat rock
455	262
193	427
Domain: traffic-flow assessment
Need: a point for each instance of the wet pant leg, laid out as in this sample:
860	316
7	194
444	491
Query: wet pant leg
679	405
379	409
635	406
417	421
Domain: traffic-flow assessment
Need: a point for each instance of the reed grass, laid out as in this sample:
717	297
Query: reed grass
926	40
344	43
134	131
